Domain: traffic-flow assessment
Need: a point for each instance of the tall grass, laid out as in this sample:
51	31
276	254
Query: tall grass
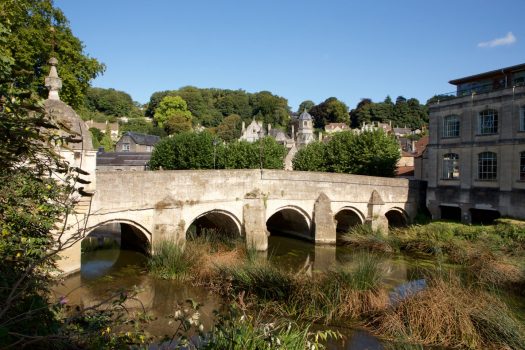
170	260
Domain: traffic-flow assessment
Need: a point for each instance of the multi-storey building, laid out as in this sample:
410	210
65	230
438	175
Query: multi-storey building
475	160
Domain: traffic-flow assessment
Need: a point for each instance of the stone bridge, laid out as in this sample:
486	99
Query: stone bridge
156	205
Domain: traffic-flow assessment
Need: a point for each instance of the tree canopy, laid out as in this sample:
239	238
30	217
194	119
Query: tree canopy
370	153
403	112
173	110
179	152
330	110
35	31
209	107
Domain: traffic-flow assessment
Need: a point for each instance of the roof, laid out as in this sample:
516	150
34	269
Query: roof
278	135
335	125
421	145
143	139
501	71
405	171
305	116
123	158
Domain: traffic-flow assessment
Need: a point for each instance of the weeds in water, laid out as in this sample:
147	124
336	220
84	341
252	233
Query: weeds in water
365	276
170	260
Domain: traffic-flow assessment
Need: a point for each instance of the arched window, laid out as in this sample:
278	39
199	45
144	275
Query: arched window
488	122
487	166
450	166
451	126
522	166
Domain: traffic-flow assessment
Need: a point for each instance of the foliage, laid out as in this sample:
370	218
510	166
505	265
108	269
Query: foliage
179	152
111	102
187	150
169	260
36	30
209	107
141	126
178	122
311	158
409	113
96	137
305	106
169	107
230	128
369	153
330	111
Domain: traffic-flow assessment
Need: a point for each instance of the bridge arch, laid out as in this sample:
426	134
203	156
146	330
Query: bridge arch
133	236
397	217
290	220
222	220
348	217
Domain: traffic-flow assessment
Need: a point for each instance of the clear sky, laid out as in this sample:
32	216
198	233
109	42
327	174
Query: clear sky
300	49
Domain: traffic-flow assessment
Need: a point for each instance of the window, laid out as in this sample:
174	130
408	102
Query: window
522	166
125	147
522	118
450	166
487	166
488	122
451	126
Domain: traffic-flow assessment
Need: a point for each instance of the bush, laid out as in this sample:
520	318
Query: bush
169	260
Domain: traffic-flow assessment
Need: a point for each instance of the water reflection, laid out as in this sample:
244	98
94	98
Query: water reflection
109	270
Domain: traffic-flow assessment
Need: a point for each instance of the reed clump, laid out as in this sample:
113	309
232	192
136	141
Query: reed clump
170	260
450	315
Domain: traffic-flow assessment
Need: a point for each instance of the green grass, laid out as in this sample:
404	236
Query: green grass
170	260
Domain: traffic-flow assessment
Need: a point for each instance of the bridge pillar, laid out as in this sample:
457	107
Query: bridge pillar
324	223
255	224
168	224
374	219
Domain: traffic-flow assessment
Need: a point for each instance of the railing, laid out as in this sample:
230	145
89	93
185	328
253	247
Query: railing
475	90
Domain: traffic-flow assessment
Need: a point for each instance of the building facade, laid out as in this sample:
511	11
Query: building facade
135	142
475	160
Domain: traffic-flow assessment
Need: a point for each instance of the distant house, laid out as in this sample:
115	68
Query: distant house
122	161
253	132
336	127
406	166
135	142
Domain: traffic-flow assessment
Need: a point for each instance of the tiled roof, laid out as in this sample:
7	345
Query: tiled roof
123	158
305	116
143	139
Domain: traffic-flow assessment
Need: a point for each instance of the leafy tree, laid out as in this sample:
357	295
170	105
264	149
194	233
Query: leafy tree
439	98
171	106
246	155
330	111
110	102
96	137
187	150
35	30
177	123
305	105
311	158
230	128
370	153
143	126
106	140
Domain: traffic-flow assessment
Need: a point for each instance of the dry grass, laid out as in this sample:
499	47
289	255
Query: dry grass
446	314
370	242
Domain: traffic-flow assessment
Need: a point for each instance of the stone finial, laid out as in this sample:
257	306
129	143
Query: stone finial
53	82
375	199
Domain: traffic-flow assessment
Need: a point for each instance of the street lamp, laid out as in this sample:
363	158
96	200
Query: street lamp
261	136
215	143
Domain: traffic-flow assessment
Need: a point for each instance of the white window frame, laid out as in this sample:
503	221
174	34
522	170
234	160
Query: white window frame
488	122
451	126
522	166
487	166
125	147
450	166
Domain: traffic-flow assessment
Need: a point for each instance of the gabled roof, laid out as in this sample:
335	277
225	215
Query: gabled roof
336	125
143	139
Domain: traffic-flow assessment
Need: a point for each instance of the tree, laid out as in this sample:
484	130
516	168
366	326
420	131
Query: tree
311	158
305	106
177	123
96	137
142	126
230	128
110	102
35	31
371	153
171	106
330	111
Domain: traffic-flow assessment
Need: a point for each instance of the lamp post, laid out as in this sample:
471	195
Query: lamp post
261	136
215	143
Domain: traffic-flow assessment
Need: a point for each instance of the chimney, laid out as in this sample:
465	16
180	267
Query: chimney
243	127
293	132
320	136
269	128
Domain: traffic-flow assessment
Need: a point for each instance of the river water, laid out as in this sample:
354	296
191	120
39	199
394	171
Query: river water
113	269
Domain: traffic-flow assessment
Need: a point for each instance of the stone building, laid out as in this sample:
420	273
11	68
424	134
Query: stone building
253	132
305	129
475	160
135	142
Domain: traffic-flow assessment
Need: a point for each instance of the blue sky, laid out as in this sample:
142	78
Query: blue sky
298	49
